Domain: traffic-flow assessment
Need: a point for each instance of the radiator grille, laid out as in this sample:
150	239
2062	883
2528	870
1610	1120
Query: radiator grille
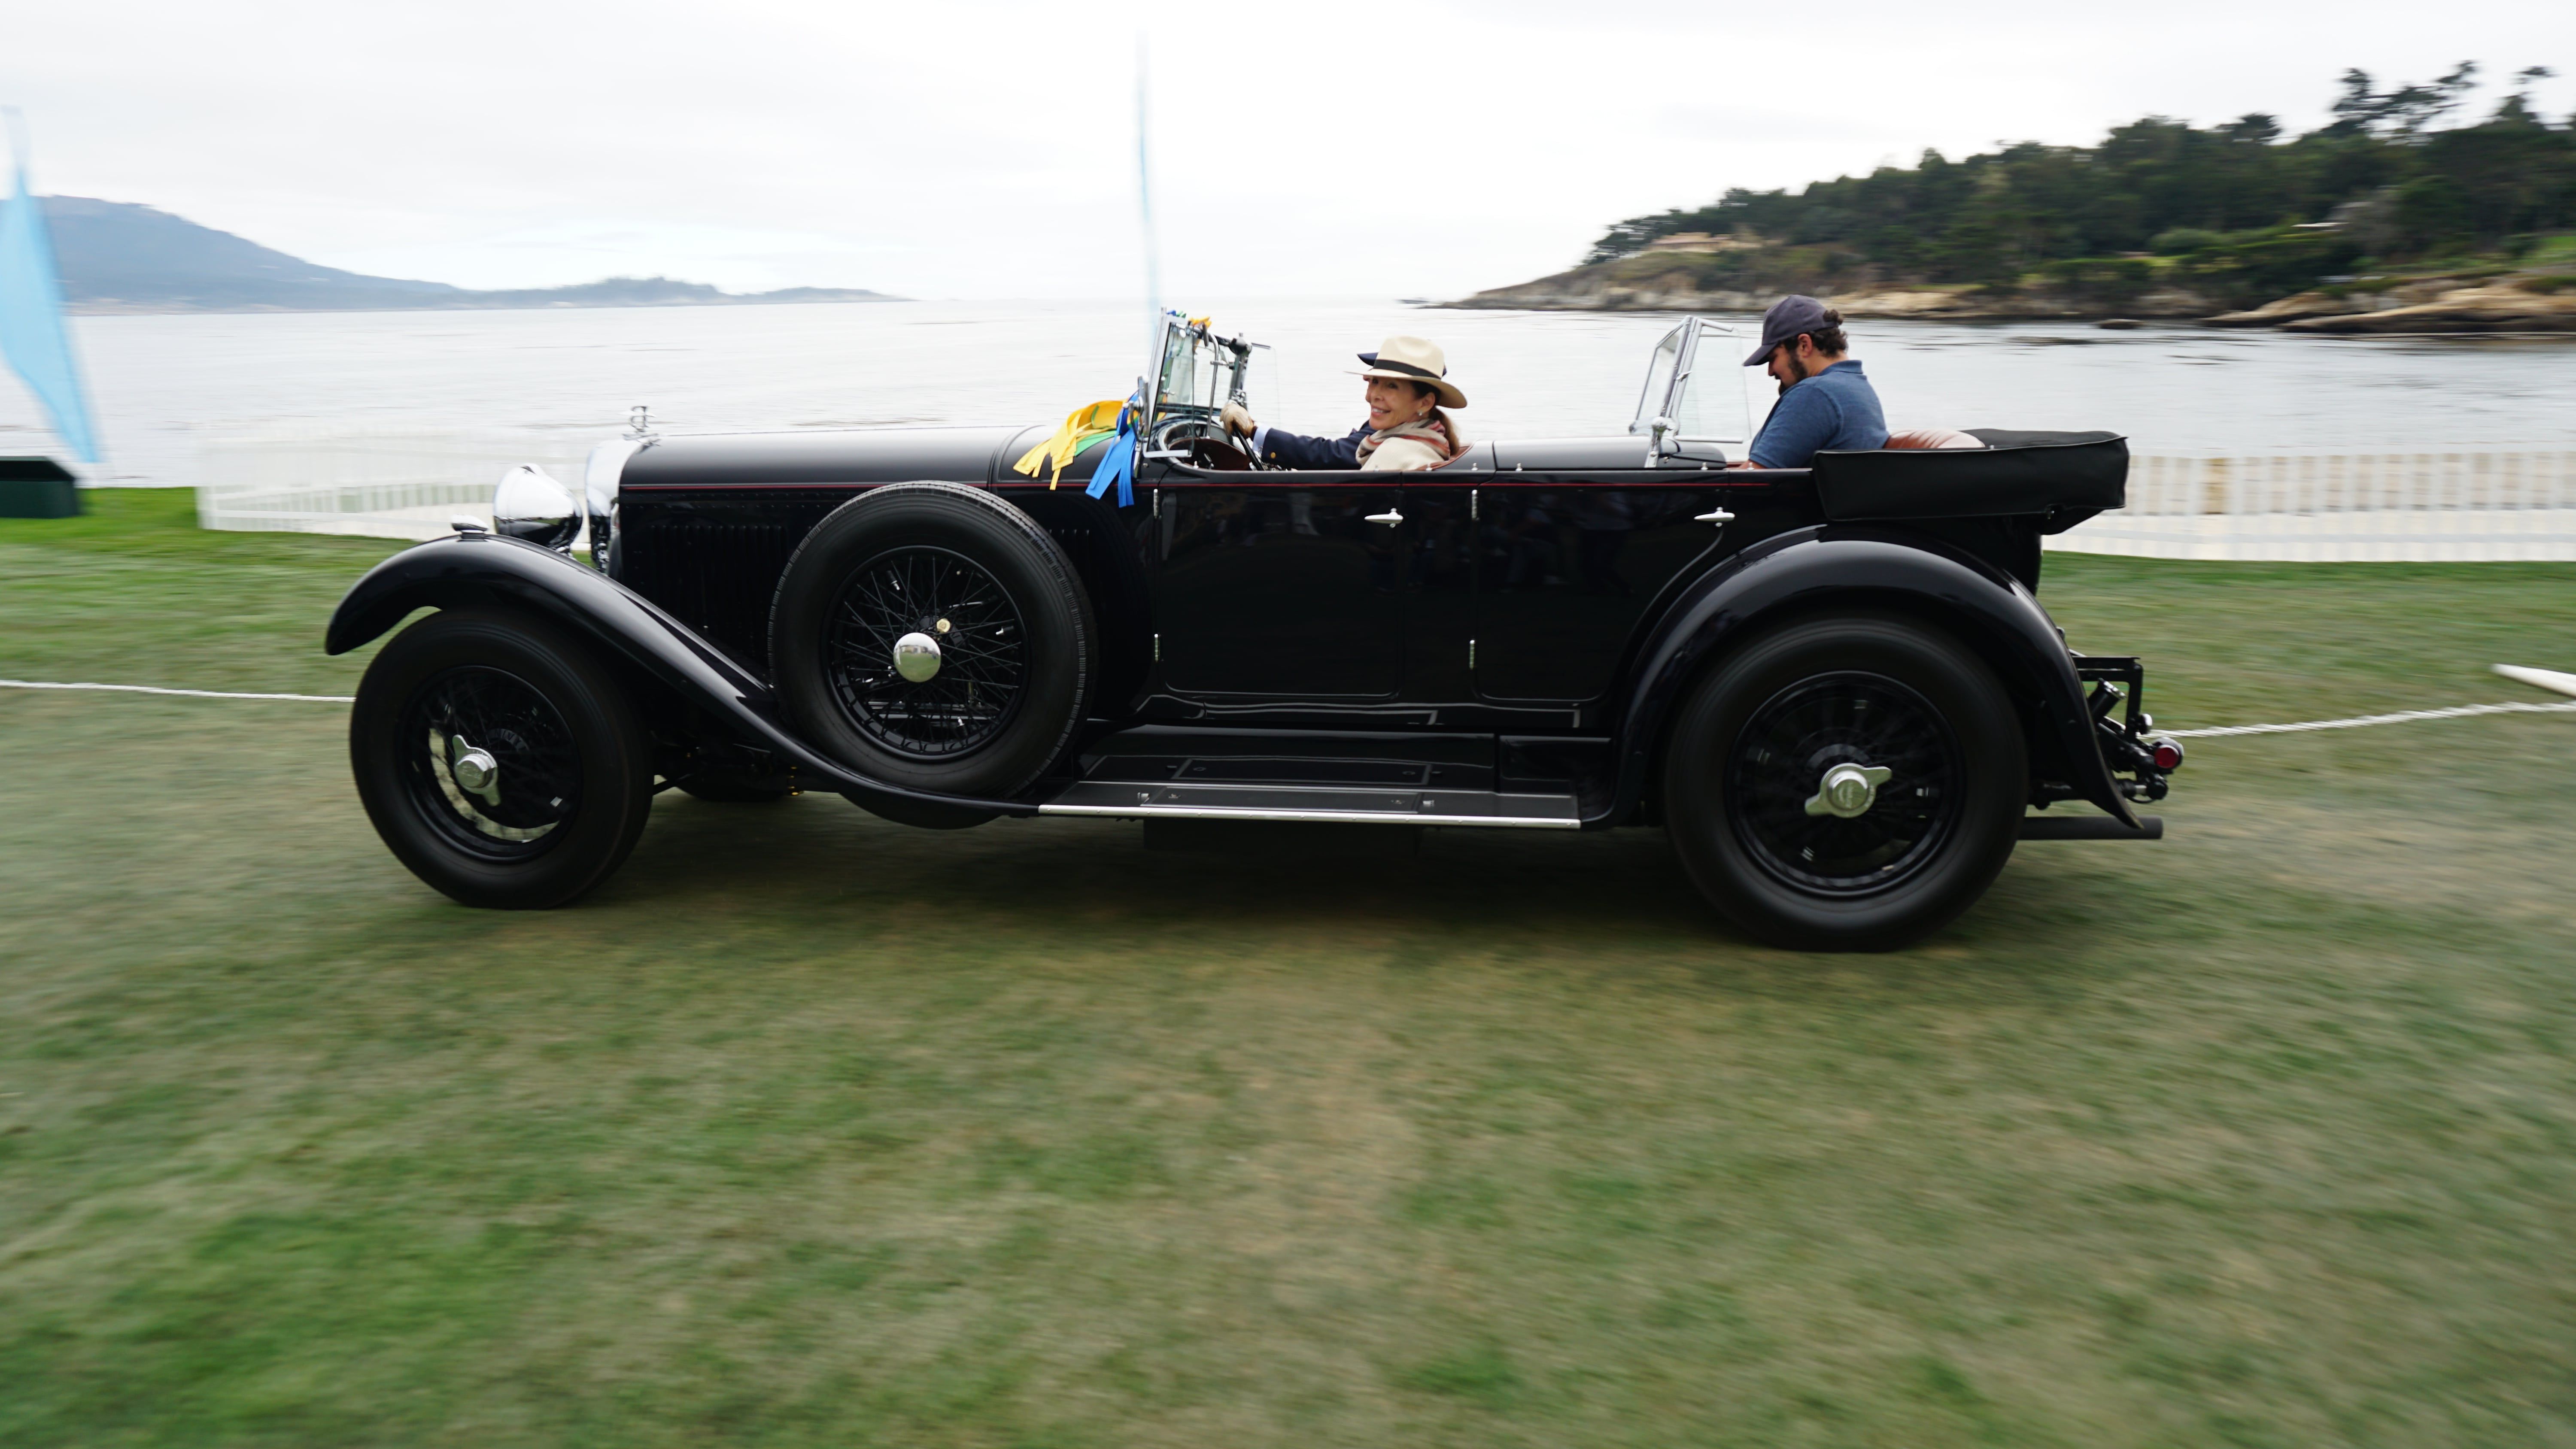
717	574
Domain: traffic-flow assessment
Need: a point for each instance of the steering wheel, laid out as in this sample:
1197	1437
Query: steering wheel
1187	432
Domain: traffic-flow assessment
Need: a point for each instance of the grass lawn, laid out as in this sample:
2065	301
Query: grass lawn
809	1128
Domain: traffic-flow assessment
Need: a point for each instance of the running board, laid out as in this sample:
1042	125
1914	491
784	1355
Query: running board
2090	827
1341	806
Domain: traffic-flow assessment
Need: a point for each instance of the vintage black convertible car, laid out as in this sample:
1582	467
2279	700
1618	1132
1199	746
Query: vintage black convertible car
1832	687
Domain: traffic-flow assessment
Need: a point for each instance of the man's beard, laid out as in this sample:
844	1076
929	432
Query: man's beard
1797	367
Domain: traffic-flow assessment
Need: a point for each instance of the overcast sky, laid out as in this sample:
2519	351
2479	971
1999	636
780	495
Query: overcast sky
988	150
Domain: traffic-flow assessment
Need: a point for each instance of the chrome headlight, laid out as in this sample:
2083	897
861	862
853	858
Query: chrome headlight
531	505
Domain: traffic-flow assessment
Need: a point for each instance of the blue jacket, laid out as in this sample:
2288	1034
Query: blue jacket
1835	409
1283	449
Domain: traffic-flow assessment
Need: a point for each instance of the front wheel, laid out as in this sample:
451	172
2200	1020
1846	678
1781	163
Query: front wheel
499	760
1846	784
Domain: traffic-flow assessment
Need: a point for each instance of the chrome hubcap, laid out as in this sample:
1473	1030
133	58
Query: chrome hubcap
916	655
475	771
1845	784
1848	791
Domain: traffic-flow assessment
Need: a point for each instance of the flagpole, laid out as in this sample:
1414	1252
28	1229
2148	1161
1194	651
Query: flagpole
1145	200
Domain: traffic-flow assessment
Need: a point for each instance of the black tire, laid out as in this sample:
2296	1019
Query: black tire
730	790
956	565
572	780
1753	746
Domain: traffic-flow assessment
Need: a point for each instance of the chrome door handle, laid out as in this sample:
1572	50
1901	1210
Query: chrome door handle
1717	515
1390	516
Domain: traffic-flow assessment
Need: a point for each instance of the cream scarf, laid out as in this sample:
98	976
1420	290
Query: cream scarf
1425	430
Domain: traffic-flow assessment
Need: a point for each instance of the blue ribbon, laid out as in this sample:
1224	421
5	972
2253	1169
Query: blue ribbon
1118	464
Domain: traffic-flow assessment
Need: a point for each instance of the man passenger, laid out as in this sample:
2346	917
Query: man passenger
1825	403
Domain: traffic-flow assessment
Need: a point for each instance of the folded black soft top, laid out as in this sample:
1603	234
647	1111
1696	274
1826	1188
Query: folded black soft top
2061	479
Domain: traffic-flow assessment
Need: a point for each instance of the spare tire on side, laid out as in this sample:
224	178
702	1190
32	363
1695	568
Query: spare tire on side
931	635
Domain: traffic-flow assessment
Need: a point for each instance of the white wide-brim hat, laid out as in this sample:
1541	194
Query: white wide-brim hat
1414	359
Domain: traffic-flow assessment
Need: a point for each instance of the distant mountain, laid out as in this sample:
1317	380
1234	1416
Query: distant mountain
119	257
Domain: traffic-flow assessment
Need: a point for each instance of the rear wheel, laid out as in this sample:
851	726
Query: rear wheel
499	760
1848	783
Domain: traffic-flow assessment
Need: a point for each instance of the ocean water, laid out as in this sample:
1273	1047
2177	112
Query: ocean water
164	386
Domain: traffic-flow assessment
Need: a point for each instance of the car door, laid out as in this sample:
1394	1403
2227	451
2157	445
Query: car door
1569	561
1577	540
1283	586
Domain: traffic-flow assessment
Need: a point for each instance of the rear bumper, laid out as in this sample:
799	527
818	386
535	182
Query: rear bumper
2127	738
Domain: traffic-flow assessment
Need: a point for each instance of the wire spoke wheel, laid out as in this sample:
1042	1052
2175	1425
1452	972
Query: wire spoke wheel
1846	781
489	762
1777	782
499	760
982	659
934	638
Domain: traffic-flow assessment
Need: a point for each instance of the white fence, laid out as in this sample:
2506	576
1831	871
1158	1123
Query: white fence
383	485
2457	503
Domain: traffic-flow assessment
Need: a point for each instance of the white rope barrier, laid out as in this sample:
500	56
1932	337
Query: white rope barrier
2402	717
191	693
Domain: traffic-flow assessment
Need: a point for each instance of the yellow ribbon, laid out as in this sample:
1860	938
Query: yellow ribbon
1082	427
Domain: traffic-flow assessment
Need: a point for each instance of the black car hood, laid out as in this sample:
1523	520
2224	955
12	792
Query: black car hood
871	455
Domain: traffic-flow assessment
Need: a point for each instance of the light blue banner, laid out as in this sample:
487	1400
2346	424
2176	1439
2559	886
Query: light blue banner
32	335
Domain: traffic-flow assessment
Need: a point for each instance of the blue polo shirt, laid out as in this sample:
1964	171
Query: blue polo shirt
1835	409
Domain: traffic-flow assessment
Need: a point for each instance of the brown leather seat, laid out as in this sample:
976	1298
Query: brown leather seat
1932	438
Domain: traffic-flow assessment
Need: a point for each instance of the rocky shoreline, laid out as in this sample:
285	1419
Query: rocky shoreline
2453	303
2428	305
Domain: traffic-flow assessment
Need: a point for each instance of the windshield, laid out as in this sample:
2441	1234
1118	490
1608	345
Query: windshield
1659	380
1200	371
1712	406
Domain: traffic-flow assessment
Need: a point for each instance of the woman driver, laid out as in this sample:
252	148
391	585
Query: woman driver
1407	388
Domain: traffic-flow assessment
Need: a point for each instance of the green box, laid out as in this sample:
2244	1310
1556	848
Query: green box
37	488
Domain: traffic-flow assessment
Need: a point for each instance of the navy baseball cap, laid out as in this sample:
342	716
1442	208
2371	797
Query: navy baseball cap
1787	318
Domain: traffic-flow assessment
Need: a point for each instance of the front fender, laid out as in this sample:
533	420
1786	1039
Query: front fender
488	571
1857	564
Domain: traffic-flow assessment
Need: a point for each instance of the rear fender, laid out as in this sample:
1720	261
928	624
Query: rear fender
487	571
1858	566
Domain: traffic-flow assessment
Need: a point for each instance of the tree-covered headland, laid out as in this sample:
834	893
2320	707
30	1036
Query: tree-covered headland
2233	214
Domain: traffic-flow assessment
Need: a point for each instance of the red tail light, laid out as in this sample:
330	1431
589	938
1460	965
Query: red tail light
2167	754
